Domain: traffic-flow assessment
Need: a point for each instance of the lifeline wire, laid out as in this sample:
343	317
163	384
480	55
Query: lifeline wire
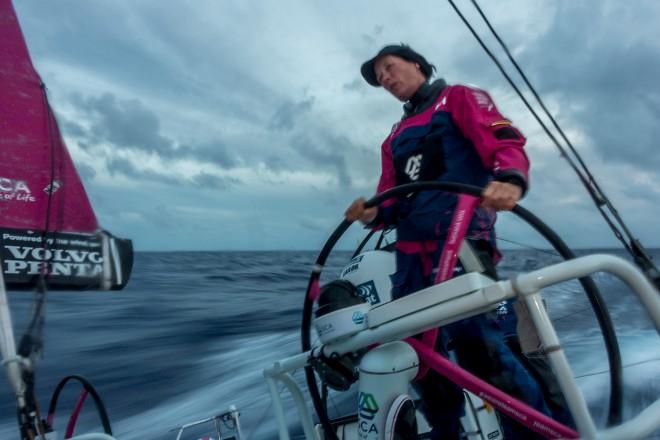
263	415
527	246
632	364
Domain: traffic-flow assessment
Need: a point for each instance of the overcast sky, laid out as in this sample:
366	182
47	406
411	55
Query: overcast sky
231	125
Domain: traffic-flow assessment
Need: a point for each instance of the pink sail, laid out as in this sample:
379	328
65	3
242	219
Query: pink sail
47	223
34	162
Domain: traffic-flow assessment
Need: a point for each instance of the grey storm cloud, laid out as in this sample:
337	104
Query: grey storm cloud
126	123
85	171
162	216
72	128
288	113
240	102
218	155
123	166
597	63
609	82
277	163
356	84
325	151
214	152
375	36
206	180
313	224
129	124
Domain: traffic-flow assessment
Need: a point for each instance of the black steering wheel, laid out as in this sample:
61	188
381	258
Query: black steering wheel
596	300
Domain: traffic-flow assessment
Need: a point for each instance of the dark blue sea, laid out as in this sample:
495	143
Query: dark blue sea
192	331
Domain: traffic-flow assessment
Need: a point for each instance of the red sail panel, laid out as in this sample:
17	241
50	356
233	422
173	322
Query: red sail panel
35	165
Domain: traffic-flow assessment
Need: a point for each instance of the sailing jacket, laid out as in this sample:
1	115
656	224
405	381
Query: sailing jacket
451	134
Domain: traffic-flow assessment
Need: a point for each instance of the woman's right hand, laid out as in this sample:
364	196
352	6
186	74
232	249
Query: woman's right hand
357	211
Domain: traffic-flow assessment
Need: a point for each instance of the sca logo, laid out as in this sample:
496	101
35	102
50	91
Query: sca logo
367	406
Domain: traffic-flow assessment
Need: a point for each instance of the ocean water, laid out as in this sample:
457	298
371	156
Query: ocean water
192	331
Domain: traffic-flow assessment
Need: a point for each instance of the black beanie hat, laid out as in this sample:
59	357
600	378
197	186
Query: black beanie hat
402	51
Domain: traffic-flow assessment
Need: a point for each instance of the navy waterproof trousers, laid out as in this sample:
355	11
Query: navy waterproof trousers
478	344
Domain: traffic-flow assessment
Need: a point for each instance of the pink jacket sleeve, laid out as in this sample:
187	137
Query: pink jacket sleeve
498	142
387	176
387	209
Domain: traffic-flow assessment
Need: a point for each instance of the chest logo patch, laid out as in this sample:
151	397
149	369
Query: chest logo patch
413	166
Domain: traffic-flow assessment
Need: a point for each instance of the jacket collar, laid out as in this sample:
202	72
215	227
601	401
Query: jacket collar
423	97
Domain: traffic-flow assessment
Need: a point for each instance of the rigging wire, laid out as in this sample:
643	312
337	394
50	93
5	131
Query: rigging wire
633	246
577	312
31	343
